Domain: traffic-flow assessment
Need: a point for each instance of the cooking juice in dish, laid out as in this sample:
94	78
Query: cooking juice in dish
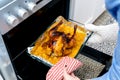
62	38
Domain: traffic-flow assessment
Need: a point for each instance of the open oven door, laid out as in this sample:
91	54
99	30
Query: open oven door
6	69
21	36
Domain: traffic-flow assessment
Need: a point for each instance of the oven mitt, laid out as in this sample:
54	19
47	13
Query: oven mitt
56	72
102	33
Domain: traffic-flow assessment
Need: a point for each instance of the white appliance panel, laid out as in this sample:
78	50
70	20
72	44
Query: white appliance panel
86	11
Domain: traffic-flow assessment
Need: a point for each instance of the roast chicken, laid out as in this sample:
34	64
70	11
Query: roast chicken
62	38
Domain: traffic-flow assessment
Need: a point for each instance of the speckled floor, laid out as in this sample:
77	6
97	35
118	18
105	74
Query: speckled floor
91	68
107	46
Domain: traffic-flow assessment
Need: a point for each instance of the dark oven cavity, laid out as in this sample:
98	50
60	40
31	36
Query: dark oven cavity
24	34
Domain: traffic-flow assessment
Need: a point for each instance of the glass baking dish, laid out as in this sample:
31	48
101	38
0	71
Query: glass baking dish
47	62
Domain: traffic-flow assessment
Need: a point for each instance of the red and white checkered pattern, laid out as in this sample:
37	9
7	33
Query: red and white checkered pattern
56	72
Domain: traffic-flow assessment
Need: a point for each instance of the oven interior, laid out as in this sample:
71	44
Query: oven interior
23	35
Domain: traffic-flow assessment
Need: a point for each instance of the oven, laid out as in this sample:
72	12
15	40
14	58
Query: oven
21	23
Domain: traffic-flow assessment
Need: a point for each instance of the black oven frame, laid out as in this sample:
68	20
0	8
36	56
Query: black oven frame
26	33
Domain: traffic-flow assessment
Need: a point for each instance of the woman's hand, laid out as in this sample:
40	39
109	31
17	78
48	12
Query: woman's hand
102	33
69	76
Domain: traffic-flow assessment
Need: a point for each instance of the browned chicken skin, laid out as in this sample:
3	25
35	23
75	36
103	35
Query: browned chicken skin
59	40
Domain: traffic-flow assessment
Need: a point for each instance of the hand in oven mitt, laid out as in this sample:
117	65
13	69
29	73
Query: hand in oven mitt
56	72
103	33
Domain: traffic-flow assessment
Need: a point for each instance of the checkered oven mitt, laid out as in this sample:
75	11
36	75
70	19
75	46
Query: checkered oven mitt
56	72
